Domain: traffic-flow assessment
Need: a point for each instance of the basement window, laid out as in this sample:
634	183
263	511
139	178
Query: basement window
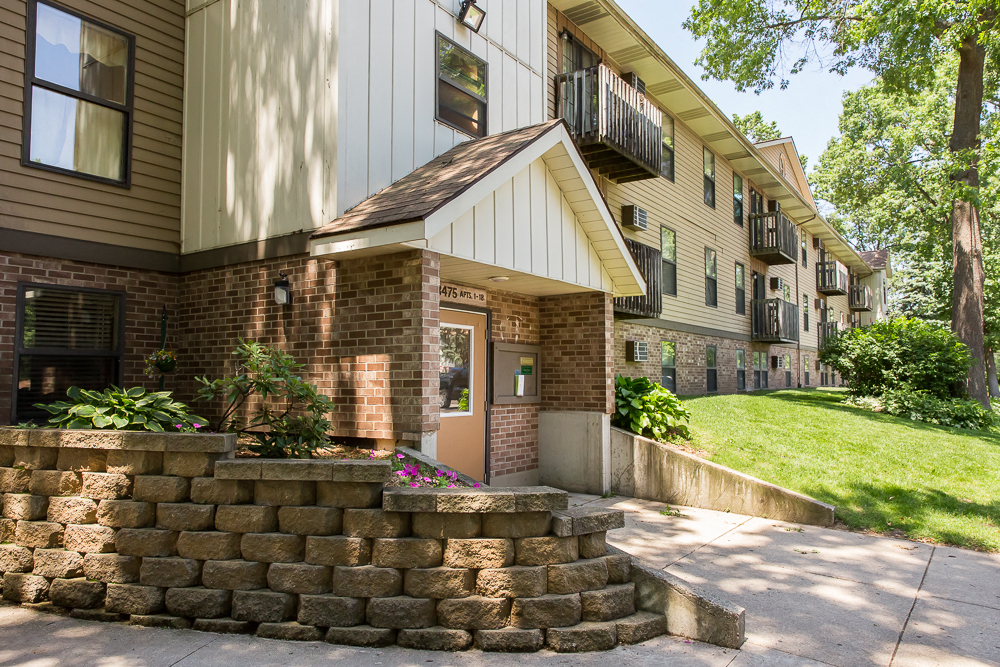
65	338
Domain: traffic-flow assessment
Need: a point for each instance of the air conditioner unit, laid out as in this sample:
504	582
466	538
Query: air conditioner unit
818	304
636	351
777	361
634	218
817	243
777	283
637	83
819	365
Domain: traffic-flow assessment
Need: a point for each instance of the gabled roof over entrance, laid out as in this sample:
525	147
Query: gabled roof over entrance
522	201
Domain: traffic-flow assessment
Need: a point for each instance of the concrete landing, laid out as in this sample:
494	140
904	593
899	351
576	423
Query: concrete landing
822	596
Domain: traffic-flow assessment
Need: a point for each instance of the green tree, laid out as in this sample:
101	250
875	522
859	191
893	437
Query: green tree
754	126
751	42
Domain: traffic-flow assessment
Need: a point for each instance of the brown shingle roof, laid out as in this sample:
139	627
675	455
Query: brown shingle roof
876	259
423	191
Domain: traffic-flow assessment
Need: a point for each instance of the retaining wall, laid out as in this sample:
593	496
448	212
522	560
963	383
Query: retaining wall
171	531
644	468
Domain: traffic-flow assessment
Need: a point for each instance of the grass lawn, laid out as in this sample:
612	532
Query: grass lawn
883	473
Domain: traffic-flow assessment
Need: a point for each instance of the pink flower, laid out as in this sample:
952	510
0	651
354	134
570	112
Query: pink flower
179	425
451	486
414	484
427	479
476	485
401	473
196	425
398	456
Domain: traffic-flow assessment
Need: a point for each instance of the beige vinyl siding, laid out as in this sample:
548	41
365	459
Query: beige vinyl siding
146	215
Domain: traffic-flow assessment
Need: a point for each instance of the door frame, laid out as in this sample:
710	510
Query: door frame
479	310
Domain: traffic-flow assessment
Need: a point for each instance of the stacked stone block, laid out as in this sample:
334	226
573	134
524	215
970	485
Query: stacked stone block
151	531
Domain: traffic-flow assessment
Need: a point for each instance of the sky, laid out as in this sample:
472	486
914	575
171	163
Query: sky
808	109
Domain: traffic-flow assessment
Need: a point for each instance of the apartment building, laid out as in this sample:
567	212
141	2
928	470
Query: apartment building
476	215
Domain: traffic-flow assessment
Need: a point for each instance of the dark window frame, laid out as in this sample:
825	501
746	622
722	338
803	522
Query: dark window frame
788	370
712	372
710	281
439	79
741	288
738	200
670	150
20	350
741	373
672	385
31	81
805	255
805	312
709	180
805	371
579	48
665	262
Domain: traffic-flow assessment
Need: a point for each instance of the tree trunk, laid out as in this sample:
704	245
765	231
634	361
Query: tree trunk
991	374
967	296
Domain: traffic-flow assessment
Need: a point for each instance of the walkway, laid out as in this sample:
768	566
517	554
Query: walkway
816	596
813	597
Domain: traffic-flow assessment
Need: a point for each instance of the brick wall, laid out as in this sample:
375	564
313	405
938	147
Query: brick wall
148	292
514	428
577	335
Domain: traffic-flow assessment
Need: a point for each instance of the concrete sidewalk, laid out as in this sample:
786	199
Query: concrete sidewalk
813	597
821	596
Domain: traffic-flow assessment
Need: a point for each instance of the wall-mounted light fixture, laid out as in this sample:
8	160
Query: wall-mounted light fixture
282	291
471	16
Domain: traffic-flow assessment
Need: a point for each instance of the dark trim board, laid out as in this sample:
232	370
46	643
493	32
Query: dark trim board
686	328
279	246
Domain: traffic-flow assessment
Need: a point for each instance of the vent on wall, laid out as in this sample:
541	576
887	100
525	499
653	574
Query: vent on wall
777	284
637	83
636	350
777	361
634	218
817	243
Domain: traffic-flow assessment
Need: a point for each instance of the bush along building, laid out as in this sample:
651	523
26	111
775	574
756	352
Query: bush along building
464	218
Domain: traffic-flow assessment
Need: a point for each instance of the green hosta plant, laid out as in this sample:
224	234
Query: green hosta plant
646	408
120	410
289	415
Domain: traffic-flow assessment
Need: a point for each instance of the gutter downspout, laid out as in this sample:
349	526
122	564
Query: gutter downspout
798	292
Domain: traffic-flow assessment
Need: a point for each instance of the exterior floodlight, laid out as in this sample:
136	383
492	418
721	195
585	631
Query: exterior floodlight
471	16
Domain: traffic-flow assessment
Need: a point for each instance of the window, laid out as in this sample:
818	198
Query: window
711	372
668	249
805	312
741	370
760	370
824	375
711	279
708	160
64	338
667	156
741	292
805	370
738	199
461	88
668	365
576	56
788	370
756	202
78	101
805	256
787	292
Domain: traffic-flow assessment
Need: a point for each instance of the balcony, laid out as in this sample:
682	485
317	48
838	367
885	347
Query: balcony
832	278
649	261
617	128
774	321
774	238
827	329
861	299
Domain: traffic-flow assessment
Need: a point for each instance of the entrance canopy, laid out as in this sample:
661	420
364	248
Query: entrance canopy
520	204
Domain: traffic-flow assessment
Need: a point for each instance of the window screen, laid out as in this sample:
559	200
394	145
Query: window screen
708	162
741	291
741	370
667	155
712	372
668	250
738	199
461	88
65	338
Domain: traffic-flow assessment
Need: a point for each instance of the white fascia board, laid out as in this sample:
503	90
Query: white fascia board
363	239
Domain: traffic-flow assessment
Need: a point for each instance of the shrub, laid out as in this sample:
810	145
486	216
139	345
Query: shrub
121	410
898	354
291	418
921	405
644	407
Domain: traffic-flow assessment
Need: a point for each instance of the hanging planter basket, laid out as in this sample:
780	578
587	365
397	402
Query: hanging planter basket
160	362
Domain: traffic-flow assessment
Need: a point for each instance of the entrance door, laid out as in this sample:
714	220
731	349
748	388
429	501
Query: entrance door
461	441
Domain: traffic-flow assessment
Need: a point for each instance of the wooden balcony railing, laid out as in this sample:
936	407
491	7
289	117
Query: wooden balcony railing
827	329
617	128
774	321
832	278
861	298
649	260
774	239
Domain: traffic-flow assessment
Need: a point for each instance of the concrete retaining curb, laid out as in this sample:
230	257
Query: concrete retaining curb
644	468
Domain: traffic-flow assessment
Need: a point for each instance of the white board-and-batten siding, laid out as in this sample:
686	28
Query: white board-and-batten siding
528	225
292	117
